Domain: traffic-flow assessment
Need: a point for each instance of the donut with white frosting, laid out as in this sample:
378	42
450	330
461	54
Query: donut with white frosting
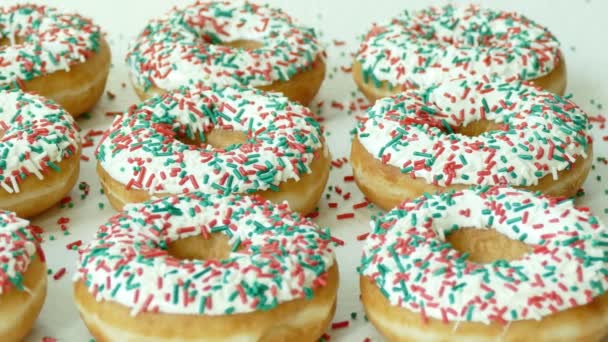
207	267
22	277
62	56
227	43
533	266
215	140
39	153
417	49
470	132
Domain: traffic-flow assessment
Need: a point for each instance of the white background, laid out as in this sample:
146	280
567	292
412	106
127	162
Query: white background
581	26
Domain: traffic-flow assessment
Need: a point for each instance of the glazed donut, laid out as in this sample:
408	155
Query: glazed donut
60	56
227	43
222	140
421	48
39	153
487	264
22	277
470	132
197	267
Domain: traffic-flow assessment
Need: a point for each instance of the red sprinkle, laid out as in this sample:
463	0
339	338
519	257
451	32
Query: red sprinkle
340	325
337	105
63	219
360	205
337	241
362	236
345	216
71	245
59	274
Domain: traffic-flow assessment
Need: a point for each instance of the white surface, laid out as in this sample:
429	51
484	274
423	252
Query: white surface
579	24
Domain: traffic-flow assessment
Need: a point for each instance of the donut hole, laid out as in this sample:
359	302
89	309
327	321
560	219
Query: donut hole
477	128
486	245
214	247
242	44
245	44
217	138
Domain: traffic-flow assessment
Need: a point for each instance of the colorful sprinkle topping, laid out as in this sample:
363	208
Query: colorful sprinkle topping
18	247
539	133
142	150
184	47
434	45
42	41
409	259
36	134
277	256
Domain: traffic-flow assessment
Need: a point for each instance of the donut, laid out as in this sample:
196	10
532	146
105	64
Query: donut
39	153
60	56
197	267
417	49
487	264
22	277
215	140
467	132
227	43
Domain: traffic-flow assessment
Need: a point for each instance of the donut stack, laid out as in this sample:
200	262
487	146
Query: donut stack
468	144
